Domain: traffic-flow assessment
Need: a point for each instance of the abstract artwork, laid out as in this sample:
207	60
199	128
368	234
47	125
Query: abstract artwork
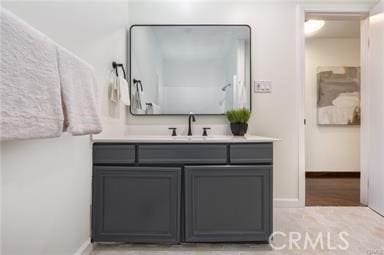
338	101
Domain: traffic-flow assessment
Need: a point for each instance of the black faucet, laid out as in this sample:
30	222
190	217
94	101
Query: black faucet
191	116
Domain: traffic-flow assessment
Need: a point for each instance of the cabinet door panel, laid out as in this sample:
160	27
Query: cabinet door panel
182	154
228	203
136	204
260	153
114	154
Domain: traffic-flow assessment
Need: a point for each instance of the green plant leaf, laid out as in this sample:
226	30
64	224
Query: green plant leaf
238	115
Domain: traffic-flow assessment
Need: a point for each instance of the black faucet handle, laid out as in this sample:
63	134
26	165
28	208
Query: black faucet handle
173	131
205	131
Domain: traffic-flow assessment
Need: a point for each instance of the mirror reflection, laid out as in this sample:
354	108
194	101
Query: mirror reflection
178	69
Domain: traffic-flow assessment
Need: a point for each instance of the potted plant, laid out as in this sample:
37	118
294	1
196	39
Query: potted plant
239	120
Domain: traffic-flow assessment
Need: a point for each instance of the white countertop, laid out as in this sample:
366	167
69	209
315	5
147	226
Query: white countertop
184	139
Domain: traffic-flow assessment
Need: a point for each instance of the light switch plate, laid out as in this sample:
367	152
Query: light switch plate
262	86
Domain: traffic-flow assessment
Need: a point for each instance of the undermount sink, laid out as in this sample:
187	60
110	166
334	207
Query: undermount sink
201	138
183	138
218	137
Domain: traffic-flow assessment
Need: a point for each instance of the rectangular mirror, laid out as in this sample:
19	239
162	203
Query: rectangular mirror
178	69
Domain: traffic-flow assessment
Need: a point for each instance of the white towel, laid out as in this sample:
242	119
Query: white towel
30	85
114	89
142	98
156	109
78	89
139	111
124	91
152	109
138	98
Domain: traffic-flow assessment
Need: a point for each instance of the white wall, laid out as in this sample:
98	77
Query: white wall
181	100
147	62
193	73
329	148
375	121
47	205
46	195
46	183
230	70
188	82
274	58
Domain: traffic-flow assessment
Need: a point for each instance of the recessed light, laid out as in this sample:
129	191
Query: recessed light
312	26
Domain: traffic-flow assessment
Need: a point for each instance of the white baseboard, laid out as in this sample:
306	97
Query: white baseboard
85	248
286	203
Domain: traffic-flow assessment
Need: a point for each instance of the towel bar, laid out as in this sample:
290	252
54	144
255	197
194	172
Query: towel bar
137	83
116	66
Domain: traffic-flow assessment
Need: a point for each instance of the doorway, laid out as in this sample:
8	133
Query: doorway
332	109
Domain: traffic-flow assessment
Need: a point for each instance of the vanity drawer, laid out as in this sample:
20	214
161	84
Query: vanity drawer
114	153
251	153
182	153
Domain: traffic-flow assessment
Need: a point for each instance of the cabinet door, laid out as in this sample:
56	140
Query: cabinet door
228	203
136	204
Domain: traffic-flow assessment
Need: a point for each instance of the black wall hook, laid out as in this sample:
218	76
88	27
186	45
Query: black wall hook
116	66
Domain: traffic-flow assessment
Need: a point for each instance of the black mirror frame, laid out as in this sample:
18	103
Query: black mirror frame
197	25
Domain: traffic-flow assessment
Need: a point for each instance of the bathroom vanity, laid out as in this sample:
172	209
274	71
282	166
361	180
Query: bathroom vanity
172	189
180	189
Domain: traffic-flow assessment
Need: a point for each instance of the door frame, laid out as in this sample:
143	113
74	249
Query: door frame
329	9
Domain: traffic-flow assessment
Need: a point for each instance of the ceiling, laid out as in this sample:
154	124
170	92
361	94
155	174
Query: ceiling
338	29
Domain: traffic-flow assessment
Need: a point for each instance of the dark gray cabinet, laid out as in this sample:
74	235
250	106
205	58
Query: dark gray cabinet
172	193
136	204
259	153
182	153
227	203
113	154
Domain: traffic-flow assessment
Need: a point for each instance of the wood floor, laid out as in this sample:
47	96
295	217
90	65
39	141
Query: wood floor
332	190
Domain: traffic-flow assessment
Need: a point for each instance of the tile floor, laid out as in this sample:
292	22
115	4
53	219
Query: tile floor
364	228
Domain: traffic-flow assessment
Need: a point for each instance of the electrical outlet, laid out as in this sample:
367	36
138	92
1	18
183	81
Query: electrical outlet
262	86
